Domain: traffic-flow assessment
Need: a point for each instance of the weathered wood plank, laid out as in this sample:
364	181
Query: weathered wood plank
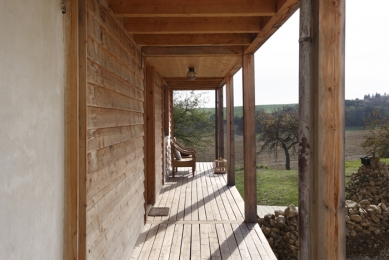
114	28
140	242
250	182
103	98
101	158
104	137
103	118
109	42
132	86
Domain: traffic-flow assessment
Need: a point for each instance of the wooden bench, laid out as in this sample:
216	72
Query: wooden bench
182	157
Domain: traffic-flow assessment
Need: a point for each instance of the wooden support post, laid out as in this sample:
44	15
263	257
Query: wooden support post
321	130
250	178
220	121
216	126
83	165
72	131
230	131
150	136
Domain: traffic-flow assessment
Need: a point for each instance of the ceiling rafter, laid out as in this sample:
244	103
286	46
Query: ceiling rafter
194	39
193	9
193	25
192	51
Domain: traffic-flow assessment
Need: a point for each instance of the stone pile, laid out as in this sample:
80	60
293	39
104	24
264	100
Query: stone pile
368	195
369	183
367	211
281	232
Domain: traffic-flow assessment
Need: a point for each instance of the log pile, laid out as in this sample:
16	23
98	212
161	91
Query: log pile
367	208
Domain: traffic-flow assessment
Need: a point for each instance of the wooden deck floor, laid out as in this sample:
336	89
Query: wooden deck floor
205	222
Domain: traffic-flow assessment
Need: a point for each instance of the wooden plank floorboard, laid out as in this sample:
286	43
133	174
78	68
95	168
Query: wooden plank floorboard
205	221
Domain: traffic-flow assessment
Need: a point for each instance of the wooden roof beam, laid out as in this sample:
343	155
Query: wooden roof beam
194	39
285	9
193	25
197	84
192	51
199	8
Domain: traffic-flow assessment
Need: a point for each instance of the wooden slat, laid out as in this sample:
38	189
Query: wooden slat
250	180
193	25
224	39
230	131
220	122
199	8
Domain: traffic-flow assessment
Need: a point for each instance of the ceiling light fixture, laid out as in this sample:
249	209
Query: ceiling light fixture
191	75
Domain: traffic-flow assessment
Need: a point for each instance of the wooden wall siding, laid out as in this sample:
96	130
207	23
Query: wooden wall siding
115	97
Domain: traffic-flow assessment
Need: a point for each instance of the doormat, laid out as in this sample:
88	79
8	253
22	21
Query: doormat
161	211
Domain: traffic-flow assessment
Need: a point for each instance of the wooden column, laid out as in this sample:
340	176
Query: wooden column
321	130
220	121
150	134
250	178
216	126
83	166
230	131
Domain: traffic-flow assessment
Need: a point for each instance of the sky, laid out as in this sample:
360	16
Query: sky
367	57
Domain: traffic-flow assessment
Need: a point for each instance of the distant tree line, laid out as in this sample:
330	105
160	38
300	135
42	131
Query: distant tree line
358	111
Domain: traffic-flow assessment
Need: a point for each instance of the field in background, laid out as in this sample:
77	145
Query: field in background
238	111
353	152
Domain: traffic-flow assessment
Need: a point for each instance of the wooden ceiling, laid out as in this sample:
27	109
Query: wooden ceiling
209	35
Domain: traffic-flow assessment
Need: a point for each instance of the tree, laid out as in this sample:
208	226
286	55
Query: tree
192	124
378	138
278	129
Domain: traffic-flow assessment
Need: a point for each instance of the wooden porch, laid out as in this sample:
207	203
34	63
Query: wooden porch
206	221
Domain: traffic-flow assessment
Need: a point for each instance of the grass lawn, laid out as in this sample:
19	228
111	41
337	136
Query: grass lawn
280	187
274	187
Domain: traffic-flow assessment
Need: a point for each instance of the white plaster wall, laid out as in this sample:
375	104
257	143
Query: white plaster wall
31	129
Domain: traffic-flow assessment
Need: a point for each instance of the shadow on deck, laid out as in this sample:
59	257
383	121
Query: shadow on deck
205	222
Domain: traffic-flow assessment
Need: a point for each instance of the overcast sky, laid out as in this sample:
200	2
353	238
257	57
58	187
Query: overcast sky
367	57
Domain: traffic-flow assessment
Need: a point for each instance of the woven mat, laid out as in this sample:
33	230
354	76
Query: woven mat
161	211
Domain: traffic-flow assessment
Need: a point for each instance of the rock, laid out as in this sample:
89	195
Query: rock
351	204
278	212
375	218
376	209
353	233
280	221
290	211
383	206
356	218
364	202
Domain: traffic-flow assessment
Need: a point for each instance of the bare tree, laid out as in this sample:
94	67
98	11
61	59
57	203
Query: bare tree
278	129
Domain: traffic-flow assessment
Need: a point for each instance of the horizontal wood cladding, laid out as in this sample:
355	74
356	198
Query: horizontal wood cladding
115	132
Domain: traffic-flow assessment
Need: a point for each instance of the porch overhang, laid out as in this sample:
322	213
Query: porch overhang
210	36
